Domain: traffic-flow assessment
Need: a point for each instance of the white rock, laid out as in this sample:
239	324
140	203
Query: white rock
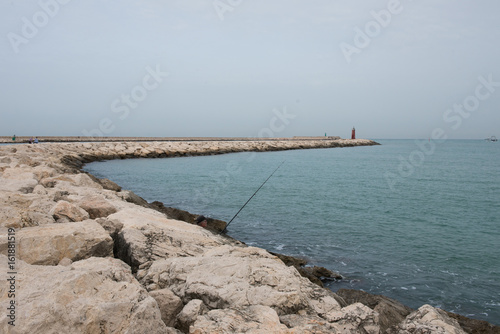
98	295
234	277
251	320
170	305
49	244
190	313
355	318
64	210
148	235
18	180
428	319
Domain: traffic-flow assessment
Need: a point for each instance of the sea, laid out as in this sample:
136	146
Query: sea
414	220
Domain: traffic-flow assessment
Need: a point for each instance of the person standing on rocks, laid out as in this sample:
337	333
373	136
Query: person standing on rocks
14	138
201	221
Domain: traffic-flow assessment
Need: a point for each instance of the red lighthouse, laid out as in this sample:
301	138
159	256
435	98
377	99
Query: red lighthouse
353	134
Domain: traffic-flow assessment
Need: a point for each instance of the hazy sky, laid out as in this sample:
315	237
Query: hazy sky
392	69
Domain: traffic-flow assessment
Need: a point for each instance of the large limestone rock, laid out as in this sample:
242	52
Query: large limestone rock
189	314
251	319
390	311
428	319
170	305
355	318
307	324
147	236
24	210
97	207
109	185
18	180
97	295
64	211
49	244
235	277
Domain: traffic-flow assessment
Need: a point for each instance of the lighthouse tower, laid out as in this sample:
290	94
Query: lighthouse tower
353	134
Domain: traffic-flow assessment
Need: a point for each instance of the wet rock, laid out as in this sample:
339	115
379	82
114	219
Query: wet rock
130	197
173	213
474	326
314	273
109	185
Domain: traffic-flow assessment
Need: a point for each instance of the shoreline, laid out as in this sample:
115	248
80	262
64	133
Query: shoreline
147	240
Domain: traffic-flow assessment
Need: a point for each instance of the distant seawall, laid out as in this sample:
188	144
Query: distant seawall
88	152
76	139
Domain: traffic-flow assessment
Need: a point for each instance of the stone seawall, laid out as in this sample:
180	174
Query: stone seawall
83	256
80	139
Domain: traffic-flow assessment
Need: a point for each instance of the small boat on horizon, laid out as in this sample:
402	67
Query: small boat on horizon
492	138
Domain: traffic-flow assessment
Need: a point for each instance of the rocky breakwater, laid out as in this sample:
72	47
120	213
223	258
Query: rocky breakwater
80	256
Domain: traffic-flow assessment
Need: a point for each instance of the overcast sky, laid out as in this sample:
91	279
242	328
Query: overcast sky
392	69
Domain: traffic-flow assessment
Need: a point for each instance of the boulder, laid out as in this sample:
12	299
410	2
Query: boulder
147	236
113	227
189	314
130	197
84	180
18	180
64	211
51	182
42	172
305	324
251	319
428	319
49	244
24	210
355	318
109	185
235	277
474	325
170	305
97	295
391	312
173	213
97	207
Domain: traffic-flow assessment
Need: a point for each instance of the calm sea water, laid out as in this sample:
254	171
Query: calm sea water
416	223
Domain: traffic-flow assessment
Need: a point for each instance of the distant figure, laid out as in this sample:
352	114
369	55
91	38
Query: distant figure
36	140
14	138
31	140
201	221
353	134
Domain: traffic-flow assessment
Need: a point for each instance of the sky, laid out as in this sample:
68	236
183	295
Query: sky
250	68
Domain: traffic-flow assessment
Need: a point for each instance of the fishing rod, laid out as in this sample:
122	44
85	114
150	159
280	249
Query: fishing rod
225	229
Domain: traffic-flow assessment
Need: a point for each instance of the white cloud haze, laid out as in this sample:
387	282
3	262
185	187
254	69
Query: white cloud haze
393	69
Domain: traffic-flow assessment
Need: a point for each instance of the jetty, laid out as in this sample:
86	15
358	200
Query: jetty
82	255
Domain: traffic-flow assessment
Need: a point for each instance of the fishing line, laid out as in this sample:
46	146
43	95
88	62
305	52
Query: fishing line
225	229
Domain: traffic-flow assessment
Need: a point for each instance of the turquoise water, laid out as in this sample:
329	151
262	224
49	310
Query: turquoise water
416	223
